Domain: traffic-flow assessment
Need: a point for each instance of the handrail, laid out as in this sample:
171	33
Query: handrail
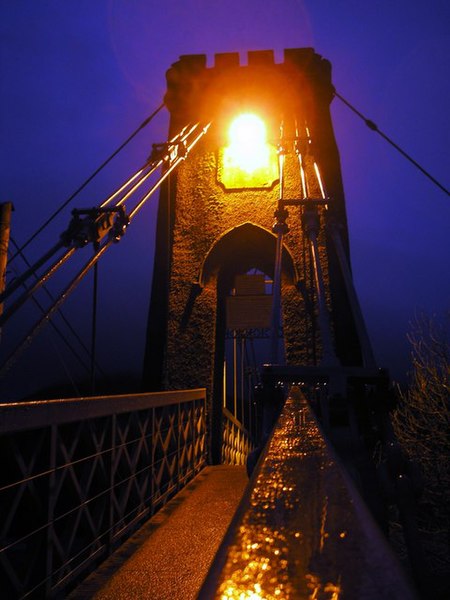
17	416
229	415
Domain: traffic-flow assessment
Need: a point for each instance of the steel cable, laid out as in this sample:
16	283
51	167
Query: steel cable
177	141
58	331
89	179
187	146
55	306
63	317
37	284
371	125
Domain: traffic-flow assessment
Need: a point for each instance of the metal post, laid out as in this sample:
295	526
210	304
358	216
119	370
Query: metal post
280	228
51	511
94	325
242	381
112	488
311	224
152	464
276	307
224	402
250	401
235	372
179	451
192	421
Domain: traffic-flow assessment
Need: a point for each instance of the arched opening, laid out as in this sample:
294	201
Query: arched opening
240	267
242	248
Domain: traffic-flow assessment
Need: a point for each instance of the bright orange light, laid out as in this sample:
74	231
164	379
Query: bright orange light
247	149
248	160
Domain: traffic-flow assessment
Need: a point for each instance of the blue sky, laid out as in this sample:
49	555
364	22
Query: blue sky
78	76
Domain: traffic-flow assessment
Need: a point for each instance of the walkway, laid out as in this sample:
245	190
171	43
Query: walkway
169	557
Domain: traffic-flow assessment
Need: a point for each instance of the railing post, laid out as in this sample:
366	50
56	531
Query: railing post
194	436
51	510
112	455
205	451
152	469
178	429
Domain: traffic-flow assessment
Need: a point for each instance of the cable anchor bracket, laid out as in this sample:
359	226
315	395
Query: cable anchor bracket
280	225
92	225
168	152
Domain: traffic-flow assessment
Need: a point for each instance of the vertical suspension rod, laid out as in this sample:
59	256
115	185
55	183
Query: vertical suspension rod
279	228
311	223
311	226
301	146
299	151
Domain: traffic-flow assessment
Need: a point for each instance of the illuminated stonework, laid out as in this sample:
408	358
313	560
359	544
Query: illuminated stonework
202	210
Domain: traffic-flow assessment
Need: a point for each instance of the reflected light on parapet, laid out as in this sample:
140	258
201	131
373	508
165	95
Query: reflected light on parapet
232	593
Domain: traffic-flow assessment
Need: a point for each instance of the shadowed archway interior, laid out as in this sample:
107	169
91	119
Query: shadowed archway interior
240	249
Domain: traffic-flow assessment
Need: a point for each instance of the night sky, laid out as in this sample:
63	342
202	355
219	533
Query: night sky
77	77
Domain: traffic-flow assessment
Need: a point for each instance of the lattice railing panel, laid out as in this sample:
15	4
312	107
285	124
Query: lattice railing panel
79	475
236	441
131	468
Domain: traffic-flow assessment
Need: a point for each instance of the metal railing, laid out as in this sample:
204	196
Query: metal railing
79	475
236	440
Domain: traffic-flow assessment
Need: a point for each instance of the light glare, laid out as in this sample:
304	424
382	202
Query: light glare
247	149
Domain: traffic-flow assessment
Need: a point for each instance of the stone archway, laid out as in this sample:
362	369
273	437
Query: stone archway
240	249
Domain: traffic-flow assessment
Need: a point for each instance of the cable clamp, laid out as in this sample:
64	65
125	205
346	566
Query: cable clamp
92	225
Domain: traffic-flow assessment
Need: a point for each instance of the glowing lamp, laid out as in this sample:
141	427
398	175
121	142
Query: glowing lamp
248	160
248	149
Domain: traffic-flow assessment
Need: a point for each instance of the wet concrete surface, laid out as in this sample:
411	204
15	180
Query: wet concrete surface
169	557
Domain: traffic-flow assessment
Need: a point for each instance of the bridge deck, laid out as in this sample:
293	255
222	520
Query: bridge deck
169	557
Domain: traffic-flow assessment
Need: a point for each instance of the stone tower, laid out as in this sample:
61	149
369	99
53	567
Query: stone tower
211	228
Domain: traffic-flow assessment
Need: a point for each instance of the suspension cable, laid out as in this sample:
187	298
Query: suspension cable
123	187
89	179
152	165
61	335
99	221
180	157
21	279
177	152
55	306
62	315
37	284
371	125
